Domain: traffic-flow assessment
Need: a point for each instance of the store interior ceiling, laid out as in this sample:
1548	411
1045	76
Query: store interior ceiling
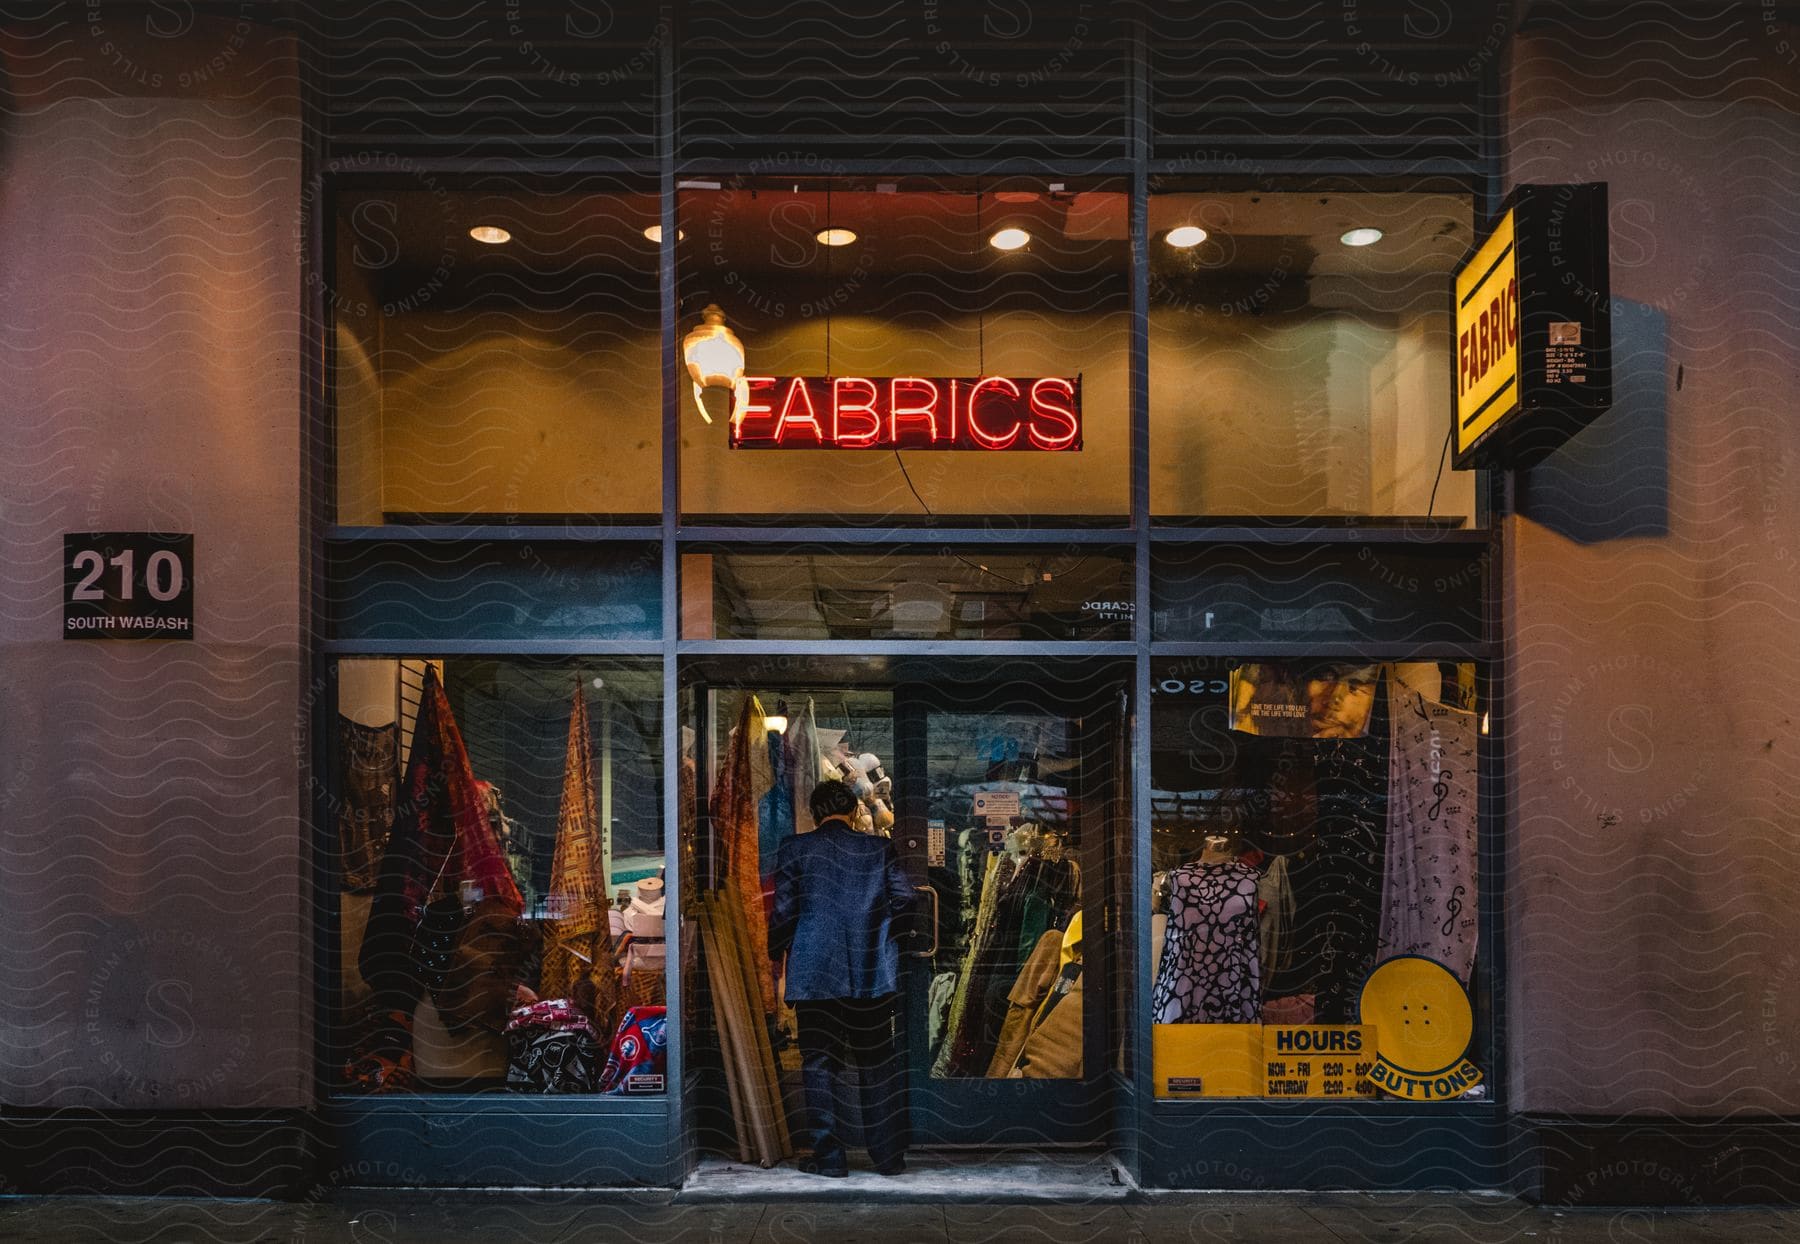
399	239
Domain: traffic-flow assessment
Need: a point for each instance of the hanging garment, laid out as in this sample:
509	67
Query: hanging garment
1210	970
1428	902
439	838
506	832
998	869
734	819
1024	999
937	1011
578	932
1053	1046
1275	895
775	809
1051	884
1281	805
1343	901
371	764
803	766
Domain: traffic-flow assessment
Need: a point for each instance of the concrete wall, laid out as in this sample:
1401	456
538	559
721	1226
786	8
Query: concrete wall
1652	584
152	935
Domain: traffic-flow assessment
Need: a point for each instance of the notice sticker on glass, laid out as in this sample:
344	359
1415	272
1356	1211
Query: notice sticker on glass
1318	1060
934	844
997	804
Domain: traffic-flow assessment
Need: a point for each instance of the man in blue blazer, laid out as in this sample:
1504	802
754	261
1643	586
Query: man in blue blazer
837	896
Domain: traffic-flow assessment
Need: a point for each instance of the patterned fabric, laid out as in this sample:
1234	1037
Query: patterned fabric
578	937
439	838
1428	902
639	1049
370	756
1344	894
552	1048
735	822
803	770
1210	970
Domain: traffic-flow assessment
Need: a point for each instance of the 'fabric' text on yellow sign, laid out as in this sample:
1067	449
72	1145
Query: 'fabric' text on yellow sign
1487	336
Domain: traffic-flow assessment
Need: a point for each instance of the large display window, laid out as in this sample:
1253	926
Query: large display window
930	283
497	353
1315	861
499	876
1301	353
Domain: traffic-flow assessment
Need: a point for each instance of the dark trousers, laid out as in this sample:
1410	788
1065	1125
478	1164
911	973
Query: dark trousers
853	1038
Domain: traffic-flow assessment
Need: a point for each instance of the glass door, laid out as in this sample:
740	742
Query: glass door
1010	793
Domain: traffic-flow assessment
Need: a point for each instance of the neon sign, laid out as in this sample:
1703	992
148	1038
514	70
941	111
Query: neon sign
910	412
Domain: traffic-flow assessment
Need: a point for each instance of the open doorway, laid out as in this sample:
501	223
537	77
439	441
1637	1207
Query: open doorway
1003	786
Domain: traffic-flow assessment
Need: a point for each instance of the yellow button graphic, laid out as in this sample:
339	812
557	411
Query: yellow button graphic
1420	1012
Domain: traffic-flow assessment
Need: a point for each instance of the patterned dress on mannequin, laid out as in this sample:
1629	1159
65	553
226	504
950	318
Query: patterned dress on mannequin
1210	971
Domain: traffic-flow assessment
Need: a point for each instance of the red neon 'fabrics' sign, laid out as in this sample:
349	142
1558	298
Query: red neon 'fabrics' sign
910	412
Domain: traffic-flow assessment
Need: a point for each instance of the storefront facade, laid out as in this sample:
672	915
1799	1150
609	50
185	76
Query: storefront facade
1043	426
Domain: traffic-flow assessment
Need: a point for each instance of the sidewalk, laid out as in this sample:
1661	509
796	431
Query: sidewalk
664	1218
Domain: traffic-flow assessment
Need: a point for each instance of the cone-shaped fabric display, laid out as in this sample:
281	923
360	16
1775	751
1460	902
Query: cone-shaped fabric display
578	942
440	837
735	821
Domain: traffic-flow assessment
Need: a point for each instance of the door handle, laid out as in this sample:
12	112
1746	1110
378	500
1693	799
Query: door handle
930	952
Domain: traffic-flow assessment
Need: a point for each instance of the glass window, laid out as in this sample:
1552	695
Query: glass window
499	860
517	374
1315	828
922	281
1301	349
494	590
899	593
1333	593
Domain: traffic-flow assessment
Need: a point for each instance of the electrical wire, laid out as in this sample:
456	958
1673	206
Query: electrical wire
1443	454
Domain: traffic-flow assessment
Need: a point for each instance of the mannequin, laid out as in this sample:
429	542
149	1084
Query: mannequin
873	788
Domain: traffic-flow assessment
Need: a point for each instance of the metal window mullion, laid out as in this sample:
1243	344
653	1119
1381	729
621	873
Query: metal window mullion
680	1155
1138	1067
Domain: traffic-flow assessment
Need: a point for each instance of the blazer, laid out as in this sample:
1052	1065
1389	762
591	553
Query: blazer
837	893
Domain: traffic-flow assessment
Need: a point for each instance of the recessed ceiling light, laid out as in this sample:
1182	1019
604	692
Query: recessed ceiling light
835	237
1010	239
493	235
1183	236
654	233
1361	237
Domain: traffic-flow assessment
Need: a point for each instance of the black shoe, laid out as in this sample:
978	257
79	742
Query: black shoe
896	1167
839	1169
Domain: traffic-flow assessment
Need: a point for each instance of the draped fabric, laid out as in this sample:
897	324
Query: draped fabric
803	769
1050	887
775	809
1428	902
370	759
578	938
440	837
735	823
998	871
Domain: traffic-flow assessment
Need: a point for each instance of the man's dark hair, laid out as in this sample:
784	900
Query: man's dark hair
831	798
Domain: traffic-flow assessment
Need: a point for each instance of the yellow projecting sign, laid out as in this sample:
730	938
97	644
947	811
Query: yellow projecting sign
1533	312
1487	336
